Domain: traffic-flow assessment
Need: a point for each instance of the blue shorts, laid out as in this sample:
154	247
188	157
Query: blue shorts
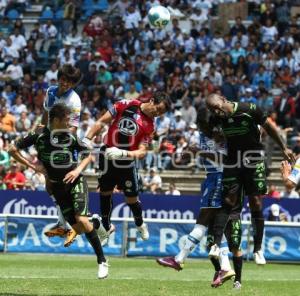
211	191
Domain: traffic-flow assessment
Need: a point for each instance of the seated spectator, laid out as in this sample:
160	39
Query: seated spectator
7	122
103	76
18	108
18	40
14	179
152	182
178	125
289	193
276	213
162	126
164	158
248	98
23	124
13	73
51	74
38	181
273	192
189	113
172	190
73	37
4	156
48	33
132	94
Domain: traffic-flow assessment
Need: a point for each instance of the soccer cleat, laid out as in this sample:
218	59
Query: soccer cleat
222	277
56	230
103	270
143	230
104	234
71	235
170	262
216	282
214	252
259	258
237	285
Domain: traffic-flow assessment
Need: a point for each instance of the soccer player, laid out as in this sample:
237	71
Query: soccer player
58	150
244	165
68	76
129	134
211	153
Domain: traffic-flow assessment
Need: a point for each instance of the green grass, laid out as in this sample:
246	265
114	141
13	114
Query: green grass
23	274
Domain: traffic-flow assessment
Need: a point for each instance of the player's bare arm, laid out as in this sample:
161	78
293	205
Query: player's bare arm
73	175
273	133
16	154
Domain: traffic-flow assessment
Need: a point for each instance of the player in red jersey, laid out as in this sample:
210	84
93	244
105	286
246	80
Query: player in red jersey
128	137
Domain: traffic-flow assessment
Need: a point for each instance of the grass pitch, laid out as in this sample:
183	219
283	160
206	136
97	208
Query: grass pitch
23	274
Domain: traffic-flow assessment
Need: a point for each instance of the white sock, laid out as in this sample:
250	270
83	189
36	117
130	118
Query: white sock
61	219
224	260
192	240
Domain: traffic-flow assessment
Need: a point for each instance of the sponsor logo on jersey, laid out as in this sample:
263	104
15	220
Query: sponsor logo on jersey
128	127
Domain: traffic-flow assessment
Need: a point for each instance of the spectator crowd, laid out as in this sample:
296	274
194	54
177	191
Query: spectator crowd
122	57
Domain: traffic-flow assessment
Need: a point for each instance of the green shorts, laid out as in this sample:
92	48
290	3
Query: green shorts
72	198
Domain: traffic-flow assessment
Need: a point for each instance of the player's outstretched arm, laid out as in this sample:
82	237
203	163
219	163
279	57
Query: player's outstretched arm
273	133
71	176
16	154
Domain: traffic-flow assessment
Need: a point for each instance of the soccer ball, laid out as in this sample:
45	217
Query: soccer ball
159	16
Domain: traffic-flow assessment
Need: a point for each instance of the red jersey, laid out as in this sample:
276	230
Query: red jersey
12	178
130	127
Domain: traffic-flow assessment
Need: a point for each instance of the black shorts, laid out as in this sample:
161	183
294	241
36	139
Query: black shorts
233	234
122	174
72	198
251	178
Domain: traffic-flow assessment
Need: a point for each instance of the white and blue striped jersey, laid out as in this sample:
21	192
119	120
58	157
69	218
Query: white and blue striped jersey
209	145
70	98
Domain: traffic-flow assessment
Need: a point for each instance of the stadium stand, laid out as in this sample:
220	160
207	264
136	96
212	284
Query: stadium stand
246	50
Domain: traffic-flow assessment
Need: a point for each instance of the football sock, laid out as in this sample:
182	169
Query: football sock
61	219
215	263
224	260
192	240
136	210
106	208
94	240
258	225
238	264
220	224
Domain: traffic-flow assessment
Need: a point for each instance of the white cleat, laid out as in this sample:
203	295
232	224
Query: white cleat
214	252
103	270
104	235
143	230
237	285
259	258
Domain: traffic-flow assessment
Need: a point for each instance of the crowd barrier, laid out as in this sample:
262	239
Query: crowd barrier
24	233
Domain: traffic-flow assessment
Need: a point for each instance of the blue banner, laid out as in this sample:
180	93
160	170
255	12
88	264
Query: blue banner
26	235
281	242
154	206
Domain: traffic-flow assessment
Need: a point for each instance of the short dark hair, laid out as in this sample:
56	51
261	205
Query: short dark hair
59	111
160	96
70	73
